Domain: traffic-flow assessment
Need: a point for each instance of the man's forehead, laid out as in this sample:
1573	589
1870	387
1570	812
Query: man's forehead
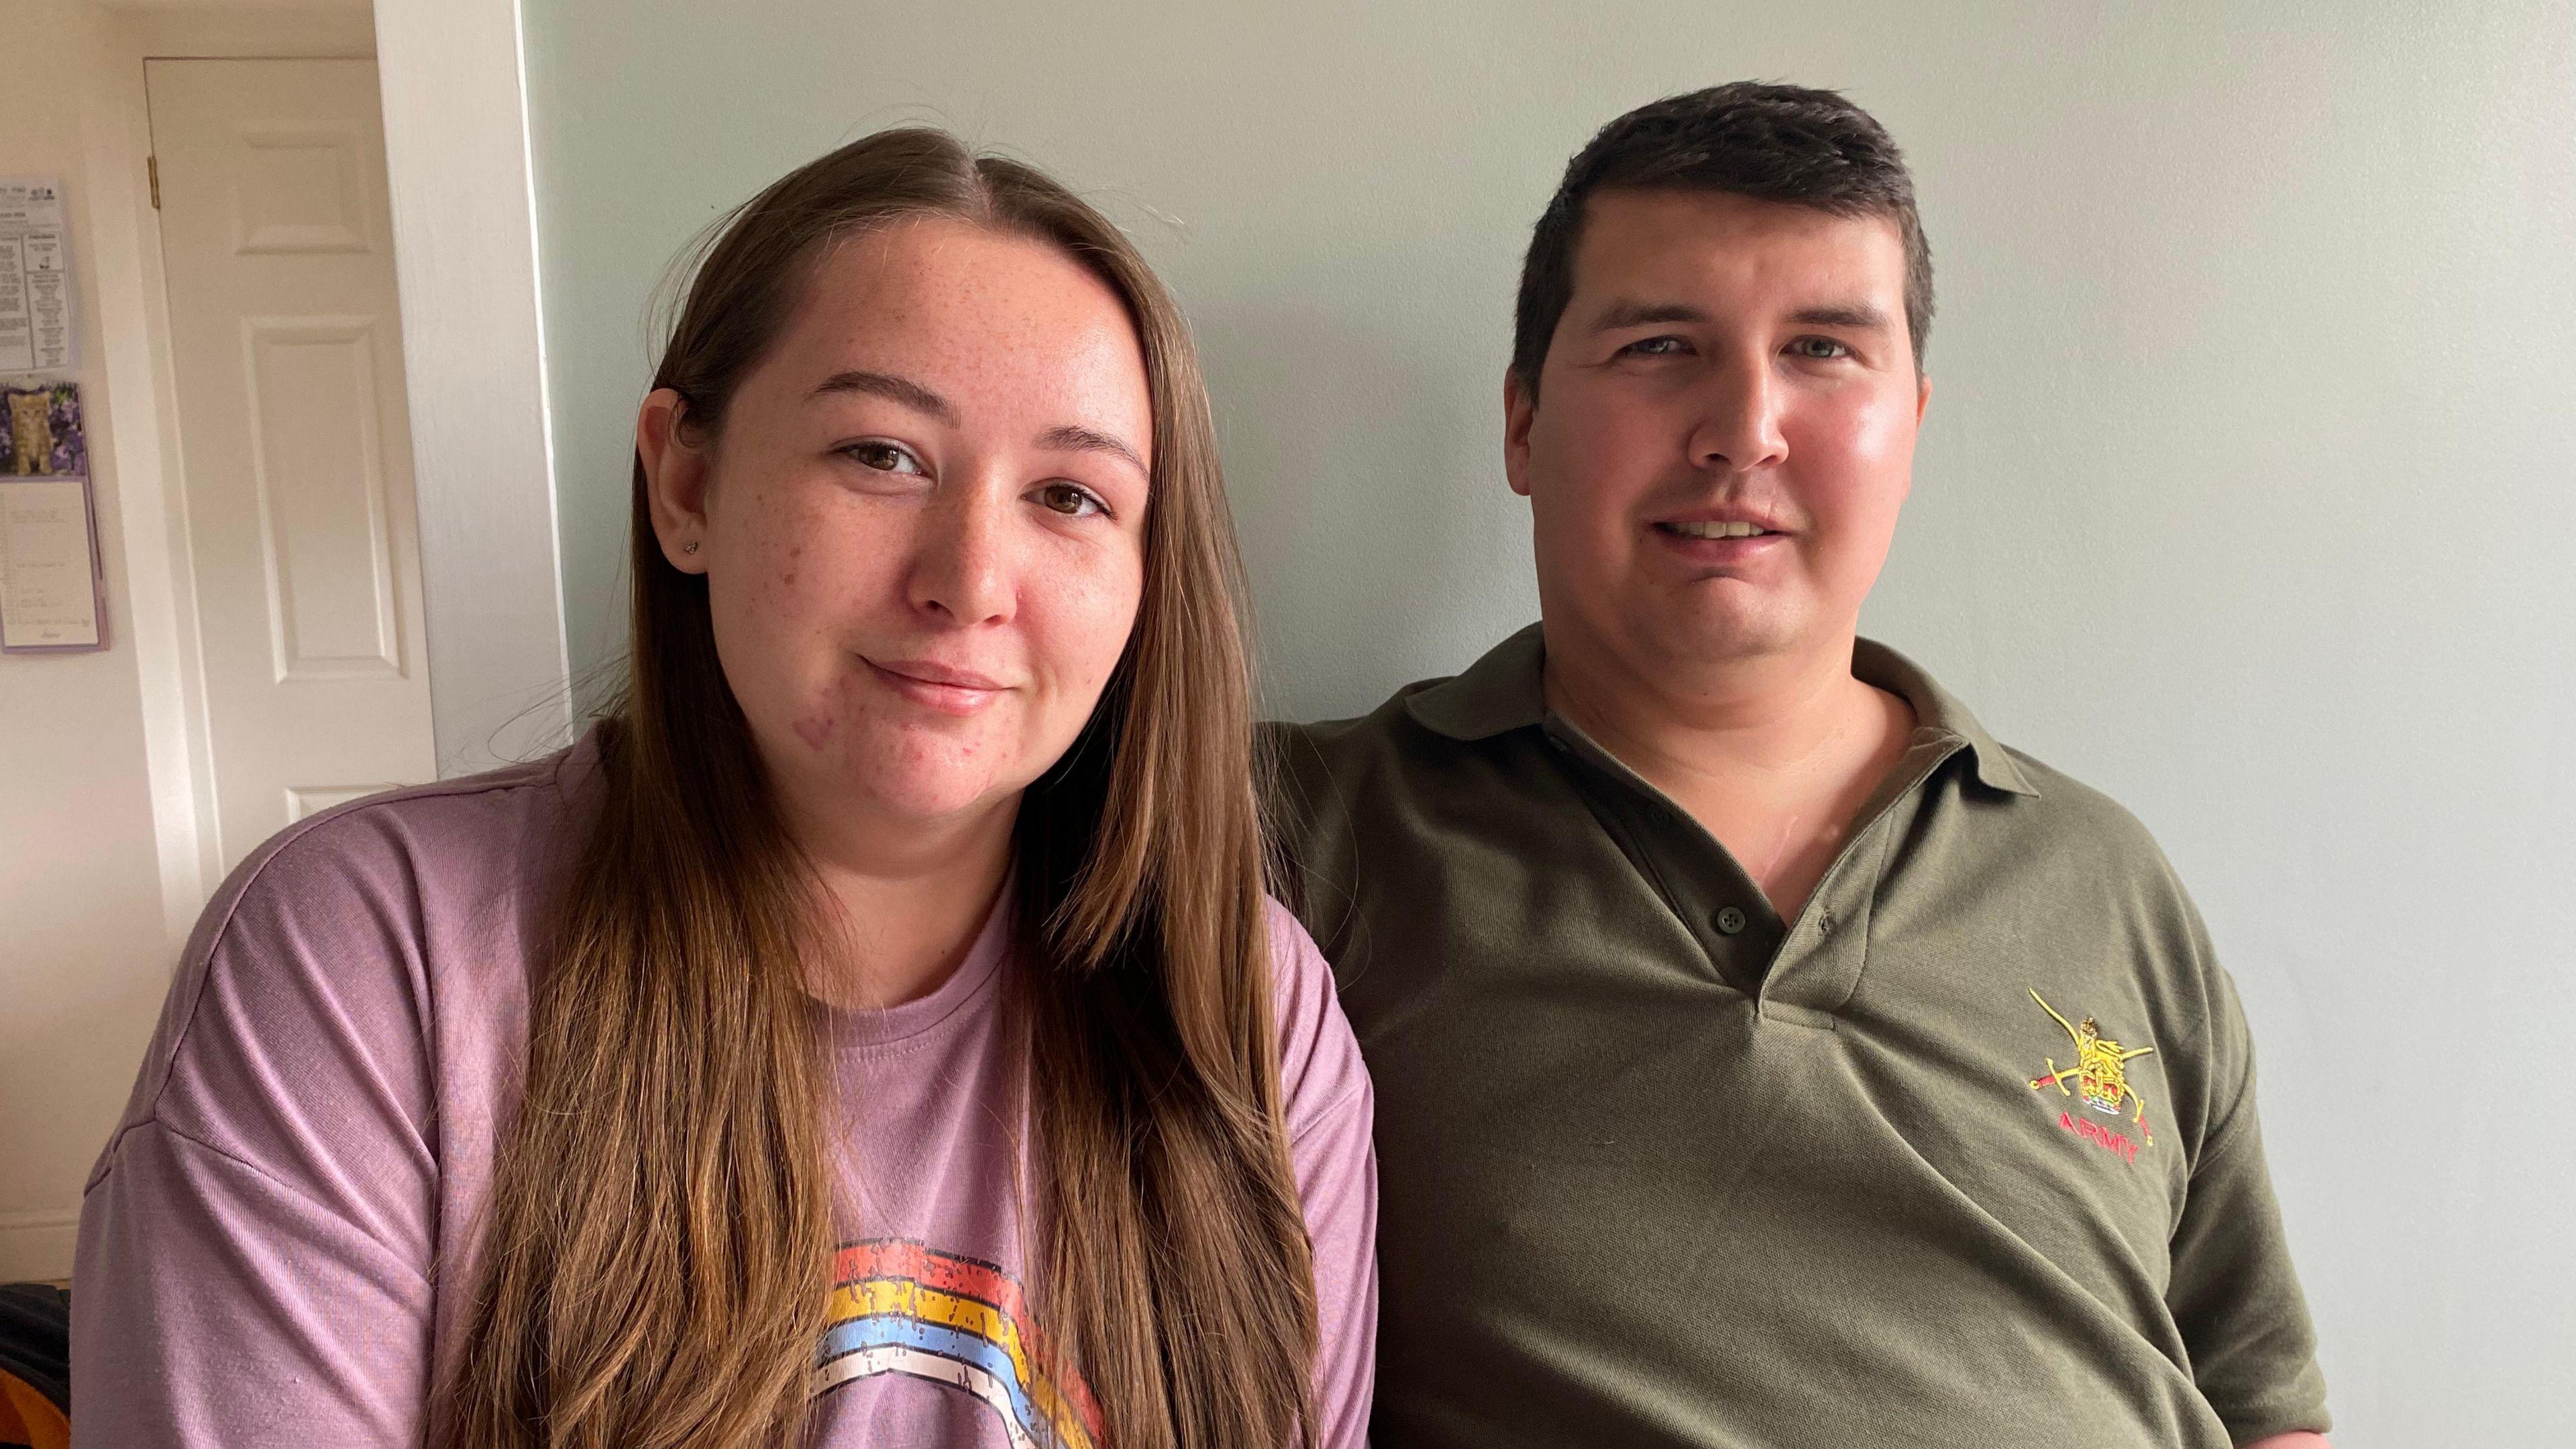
1694	238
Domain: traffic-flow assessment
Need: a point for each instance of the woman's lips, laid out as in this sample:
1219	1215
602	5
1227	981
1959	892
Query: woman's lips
933	685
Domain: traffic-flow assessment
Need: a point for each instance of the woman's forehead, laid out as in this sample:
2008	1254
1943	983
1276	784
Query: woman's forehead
974	315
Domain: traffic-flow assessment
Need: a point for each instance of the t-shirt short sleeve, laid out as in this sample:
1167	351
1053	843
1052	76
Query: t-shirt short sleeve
1331	1118
256	1241
2233	1292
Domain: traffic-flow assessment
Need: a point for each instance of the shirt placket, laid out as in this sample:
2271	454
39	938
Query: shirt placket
1694	876
1798	971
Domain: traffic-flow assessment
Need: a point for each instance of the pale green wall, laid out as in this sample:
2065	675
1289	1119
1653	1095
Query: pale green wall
2246	492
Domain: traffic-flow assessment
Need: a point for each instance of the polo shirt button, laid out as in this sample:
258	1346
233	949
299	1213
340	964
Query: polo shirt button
1730	920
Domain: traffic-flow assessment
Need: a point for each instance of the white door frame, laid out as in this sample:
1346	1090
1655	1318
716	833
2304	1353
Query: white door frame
473	347
465	258
141	432
134	422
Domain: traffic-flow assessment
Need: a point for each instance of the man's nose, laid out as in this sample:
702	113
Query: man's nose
1738	427
962	569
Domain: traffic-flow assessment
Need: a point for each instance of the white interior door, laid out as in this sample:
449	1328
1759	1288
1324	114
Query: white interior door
287	350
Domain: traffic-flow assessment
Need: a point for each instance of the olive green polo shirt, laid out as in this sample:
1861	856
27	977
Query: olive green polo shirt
1964	1155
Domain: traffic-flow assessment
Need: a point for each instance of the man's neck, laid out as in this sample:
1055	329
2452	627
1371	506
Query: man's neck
1774	754
1762	710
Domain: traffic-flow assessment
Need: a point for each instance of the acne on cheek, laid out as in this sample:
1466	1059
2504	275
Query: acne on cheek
815	730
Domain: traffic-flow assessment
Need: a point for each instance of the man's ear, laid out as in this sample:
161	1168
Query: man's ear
1922	397
1520	408
675	480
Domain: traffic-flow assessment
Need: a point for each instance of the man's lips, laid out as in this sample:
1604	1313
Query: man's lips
1719	523
1718	540
942	687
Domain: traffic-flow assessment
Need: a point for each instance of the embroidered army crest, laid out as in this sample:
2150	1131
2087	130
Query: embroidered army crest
2101	1075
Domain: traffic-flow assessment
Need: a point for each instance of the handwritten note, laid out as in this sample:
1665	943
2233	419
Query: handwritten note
49	575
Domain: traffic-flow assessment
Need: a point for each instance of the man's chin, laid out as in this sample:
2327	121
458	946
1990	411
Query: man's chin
1719	636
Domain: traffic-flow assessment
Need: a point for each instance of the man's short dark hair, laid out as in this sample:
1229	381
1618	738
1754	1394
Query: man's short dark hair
1770	142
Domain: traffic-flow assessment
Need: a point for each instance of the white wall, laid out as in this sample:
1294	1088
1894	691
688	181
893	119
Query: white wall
456	163
103	757
2246	491
84	944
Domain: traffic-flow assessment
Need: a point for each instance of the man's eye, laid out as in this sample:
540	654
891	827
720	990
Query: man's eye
1071	499
1654	347
884	457
1821	348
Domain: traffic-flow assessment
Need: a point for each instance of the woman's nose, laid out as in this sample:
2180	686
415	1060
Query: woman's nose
962	567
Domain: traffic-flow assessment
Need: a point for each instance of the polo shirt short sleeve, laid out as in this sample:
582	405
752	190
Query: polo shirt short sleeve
1964	1155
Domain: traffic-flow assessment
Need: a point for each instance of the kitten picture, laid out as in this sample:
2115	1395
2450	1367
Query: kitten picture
40	432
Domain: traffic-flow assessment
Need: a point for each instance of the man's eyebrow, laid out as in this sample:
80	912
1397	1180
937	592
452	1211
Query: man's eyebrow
893	389
1084	440
1859	316
1626	313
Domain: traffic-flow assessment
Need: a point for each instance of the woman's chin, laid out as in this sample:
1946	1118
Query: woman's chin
926	792
931	804
900	773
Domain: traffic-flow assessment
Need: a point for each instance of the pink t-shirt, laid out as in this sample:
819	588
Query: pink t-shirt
275	1248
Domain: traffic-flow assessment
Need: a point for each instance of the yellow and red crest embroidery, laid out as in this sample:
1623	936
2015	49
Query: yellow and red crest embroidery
2101	1075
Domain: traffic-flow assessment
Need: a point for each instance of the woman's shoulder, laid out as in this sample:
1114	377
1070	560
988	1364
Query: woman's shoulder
434	829
391	863
324	948
1321	1076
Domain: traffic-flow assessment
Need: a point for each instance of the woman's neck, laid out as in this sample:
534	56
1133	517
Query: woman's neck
903	902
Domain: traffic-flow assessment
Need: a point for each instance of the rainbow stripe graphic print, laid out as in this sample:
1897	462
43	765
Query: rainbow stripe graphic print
901	1308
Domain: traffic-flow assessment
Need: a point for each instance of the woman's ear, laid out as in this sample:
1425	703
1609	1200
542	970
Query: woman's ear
675	480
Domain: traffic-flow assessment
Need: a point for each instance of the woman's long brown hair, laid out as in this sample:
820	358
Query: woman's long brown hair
654	1263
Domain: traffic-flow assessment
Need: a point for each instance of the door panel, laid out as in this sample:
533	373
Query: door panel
316	464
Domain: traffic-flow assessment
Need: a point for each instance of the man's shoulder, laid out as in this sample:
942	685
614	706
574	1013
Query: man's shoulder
1359	730
2082	825
1333	755
1341	789
1427	727
2084	868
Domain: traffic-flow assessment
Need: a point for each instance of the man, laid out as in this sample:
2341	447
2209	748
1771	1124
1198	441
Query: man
1764	1055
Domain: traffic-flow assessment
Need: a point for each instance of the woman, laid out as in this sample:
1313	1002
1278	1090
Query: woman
874	1030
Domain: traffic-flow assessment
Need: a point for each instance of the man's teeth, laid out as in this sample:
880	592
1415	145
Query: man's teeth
1716	530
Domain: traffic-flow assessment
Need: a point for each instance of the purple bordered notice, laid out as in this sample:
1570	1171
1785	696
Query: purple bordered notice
53	594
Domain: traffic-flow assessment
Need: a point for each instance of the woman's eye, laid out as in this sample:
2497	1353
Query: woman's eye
884	457
1654	347
1071	499
1820	348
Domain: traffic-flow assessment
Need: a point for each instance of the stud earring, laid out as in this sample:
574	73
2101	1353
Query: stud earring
690	547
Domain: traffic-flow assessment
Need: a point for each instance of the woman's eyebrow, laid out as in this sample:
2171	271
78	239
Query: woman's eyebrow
893	389
1069	438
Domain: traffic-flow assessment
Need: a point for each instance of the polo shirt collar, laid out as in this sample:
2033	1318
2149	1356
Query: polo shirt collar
1502	692
1936	709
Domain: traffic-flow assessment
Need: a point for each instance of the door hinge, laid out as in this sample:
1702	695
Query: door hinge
152	168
